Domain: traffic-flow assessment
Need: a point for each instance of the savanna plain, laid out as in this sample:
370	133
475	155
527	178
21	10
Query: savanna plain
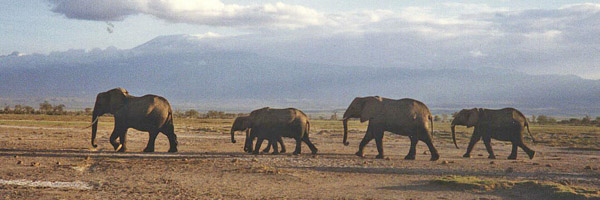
50	157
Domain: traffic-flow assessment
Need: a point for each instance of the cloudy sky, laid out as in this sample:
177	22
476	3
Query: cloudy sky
536	37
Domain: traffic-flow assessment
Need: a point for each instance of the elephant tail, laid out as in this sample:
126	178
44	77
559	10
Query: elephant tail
307	128
527	124
168	126
431	122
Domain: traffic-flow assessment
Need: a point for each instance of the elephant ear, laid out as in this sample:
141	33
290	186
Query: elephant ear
117	100
473	117
371	107
246	122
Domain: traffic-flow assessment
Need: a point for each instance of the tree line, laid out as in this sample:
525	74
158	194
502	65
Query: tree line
586	120
49	109
45	108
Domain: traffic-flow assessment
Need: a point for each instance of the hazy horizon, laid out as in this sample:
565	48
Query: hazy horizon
541	56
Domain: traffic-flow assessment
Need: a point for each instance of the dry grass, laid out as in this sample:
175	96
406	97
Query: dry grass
557	135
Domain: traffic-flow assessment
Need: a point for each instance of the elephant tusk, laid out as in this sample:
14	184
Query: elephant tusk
91	123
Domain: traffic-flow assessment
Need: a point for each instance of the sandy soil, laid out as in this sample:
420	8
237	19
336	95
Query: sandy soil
46	162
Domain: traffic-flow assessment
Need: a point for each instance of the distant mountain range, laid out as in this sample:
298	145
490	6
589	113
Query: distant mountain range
192	73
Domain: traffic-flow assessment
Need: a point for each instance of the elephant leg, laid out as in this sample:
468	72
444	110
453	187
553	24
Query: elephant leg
151	140
513	153
530	153
474	139
249	141
434	153
170	132
273	141
249	145
280	140
298	149
113	140
310	145
259	142
122	140
268	148
117	132
368	137
487	140
413	148
378	135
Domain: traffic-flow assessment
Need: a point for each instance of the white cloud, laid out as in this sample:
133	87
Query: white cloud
476	53
201	12
438	36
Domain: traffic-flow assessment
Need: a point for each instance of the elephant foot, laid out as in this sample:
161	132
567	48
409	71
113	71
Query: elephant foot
379	156
492	156
275	153
255	152
531	154
315	152
266	150
512	157
121	149
116	146
360	154
296	153
434	157
282	151
409	157
467	156
149	149
172	150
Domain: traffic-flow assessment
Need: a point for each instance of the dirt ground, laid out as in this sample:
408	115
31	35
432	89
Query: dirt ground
49	159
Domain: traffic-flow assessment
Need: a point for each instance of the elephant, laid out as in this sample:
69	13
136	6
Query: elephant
149	113
505	124
272	124
404	117
243	124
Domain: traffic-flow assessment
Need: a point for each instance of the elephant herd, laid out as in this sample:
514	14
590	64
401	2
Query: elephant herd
407	117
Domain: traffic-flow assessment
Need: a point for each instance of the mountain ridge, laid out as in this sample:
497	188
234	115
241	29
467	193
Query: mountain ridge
193	73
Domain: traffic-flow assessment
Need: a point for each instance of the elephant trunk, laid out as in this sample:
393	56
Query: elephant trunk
454	135
345	121
95	115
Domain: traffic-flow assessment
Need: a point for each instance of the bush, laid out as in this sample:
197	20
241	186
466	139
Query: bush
543	119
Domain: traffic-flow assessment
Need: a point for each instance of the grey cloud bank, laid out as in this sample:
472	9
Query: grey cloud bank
448	35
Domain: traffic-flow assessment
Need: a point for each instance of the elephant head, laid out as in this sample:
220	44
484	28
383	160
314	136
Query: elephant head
107	102
240	124
466	117
364	108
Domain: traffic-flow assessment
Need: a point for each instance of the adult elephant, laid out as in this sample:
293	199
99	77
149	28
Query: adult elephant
149	113
243	123
272	124
404	117
507	124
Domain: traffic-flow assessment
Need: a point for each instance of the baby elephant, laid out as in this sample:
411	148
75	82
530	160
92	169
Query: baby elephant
507	124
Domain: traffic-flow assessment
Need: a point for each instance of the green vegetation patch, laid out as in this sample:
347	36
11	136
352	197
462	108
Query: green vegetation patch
549	189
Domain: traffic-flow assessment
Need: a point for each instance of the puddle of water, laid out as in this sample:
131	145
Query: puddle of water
50	184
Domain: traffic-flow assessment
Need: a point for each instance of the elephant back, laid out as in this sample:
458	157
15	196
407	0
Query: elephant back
502	117
276	117
406	111
152	109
